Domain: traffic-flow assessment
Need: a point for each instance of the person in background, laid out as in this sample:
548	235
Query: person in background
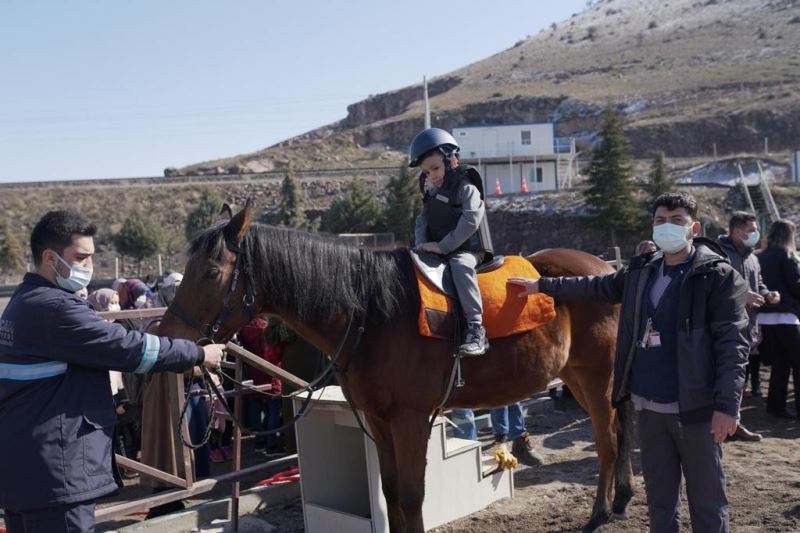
508	423
780	320
166	292
738	245
134	294
263	411
104	300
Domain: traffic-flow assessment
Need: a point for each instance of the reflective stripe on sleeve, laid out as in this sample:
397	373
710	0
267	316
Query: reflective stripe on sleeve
152	346
31	372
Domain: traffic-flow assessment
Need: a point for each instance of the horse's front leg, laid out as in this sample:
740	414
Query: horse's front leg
382	433
410	436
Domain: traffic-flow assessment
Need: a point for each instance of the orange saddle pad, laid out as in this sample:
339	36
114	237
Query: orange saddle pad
504	313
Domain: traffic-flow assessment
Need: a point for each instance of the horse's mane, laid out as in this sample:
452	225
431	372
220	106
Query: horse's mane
317	277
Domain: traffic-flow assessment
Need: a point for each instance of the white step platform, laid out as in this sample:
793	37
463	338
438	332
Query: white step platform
340	477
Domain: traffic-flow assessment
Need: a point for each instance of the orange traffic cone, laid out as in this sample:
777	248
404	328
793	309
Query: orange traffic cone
523	185
497	190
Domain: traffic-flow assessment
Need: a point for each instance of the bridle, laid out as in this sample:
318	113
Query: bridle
209	330
243	266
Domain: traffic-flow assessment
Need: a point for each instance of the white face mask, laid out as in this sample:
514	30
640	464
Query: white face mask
671	238
752	239
113	307
140	302
79	277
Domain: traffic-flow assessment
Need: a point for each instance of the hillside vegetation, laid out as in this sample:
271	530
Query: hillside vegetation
689	75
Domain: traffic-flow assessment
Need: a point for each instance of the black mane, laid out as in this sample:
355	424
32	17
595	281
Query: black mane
317	277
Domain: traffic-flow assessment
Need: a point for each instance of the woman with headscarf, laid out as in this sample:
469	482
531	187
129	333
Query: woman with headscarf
134	294
104	300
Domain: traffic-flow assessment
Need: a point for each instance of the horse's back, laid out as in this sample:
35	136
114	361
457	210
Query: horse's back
554	262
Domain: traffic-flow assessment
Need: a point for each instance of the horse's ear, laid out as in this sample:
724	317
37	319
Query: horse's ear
239	225
226	210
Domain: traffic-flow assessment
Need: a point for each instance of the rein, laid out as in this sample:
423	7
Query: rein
247	302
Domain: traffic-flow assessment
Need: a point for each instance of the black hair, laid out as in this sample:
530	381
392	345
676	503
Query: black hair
674	200
318	277
55	230
739	219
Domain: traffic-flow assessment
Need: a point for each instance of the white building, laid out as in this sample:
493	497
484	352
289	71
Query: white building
506	154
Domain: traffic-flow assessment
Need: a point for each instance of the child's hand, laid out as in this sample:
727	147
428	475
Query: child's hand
431	247
531	285
120	410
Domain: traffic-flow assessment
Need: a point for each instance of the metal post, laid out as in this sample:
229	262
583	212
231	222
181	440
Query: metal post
237	446
116	267
766	145
715	150
510	169
160	270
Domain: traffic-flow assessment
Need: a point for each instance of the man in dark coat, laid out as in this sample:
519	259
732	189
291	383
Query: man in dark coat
681	355
738	244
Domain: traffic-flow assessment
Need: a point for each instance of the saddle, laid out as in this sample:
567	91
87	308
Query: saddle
504	313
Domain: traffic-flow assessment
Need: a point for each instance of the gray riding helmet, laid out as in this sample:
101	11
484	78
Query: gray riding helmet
427	140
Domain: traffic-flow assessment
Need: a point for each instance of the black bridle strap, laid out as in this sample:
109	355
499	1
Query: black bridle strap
247	301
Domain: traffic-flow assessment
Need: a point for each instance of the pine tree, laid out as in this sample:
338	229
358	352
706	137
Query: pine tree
659	180
610	199
291	212
403	204
139	237
204	215
357	211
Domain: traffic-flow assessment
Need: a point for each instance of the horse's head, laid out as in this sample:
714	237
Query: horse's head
217	295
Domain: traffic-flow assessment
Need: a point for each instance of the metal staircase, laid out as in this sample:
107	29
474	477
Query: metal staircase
759	199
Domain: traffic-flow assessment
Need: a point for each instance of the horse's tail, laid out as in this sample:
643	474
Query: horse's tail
623	473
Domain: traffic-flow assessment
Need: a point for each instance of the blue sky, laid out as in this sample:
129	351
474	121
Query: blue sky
115	89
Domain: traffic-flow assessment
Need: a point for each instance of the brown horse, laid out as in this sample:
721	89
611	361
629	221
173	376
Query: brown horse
396	377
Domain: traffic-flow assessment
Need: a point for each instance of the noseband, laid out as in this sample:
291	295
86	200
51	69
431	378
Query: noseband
209	330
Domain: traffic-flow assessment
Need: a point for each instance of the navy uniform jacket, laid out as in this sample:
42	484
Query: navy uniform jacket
56	410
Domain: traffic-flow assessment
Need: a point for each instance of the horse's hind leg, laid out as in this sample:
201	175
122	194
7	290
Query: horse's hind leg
410	436
623	472
592	394
381	432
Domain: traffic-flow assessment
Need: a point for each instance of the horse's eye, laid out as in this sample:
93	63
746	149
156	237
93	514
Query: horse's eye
213	273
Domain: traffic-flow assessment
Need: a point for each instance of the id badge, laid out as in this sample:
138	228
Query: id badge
443	198
654	339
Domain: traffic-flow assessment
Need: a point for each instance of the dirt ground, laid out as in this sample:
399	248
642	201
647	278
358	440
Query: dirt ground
763	481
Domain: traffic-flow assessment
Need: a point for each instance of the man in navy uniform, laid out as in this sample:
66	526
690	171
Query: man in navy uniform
56	408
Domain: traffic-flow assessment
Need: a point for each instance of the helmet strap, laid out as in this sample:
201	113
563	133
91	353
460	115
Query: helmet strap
448	154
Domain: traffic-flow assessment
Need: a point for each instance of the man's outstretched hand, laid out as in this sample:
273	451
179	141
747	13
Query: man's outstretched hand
530	286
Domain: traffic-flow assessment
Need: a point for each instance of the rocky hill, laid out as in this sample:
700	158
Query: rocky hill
689	76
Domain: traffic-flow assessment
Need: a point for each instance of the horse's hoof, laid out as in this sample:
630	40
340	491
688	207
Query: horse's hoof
622	497
597	520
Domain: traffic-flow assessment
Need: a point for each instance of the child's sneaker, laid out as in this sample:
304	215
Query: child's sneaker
475	342
217	456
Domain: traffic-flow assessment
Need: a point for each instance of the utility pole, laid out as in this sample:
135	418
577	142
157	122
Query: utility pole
427	103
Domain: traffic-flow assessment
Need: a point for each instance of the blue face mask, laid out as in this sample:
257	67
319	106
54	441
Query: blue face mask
752	239
672	238
79	277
